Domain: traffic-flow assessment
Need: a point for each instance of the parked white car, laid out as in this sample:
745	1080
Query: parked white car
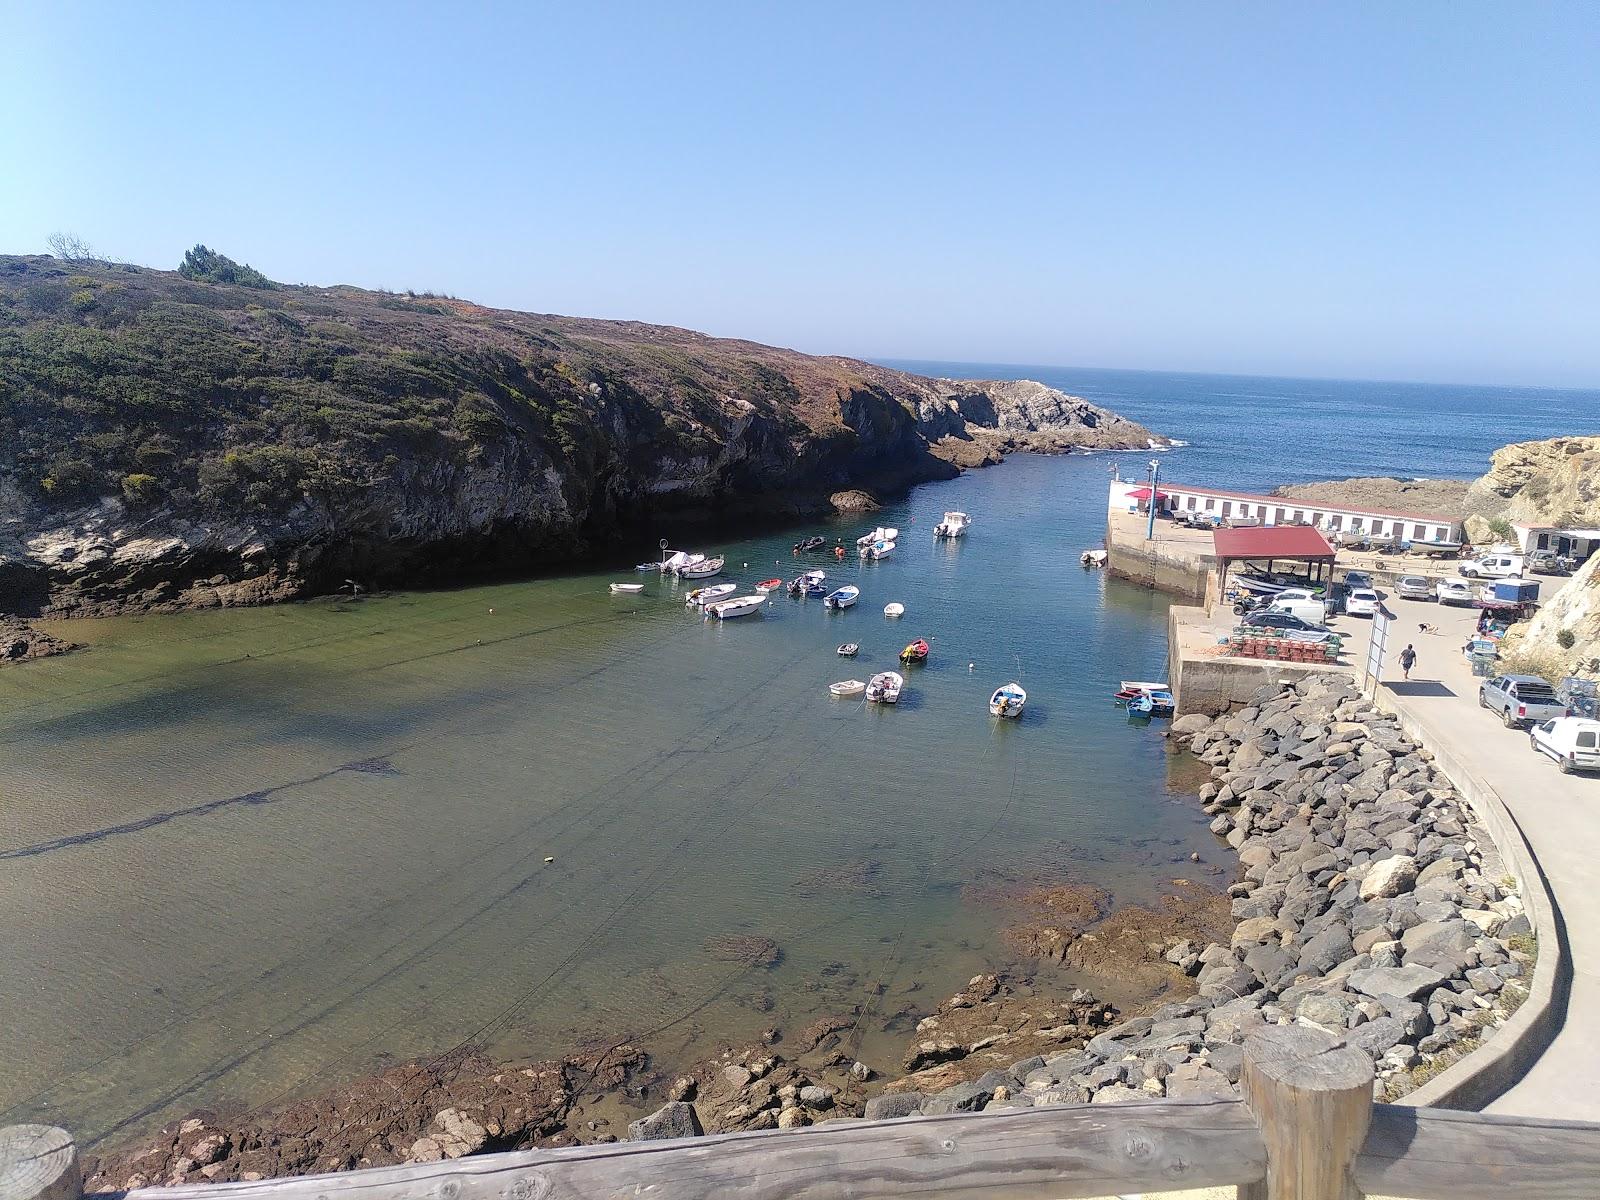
1574	742
1414	587
1455	591
1363	602
1493	566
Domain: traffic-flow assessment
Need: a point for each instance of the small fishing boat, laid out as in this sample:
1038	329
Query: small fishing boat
842	597
739	606
700	570
953	525
808	544
649	566
847	687
769	585
879	534
884	687
703	596
877	550
1007	700
1152	704
812	583
816	589
676	559
916	652
1093	558
849	650
630	588
894	610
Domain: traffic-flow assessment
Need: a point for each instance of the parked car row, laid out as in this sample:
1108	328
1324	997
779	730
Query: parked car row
1526	701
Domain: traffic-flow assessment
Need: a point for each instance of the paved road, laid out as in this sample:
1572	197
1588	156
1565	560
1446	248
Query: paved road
1560	814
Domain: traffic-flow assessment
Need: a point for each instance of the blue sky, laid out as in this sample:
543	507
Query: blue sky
1403	191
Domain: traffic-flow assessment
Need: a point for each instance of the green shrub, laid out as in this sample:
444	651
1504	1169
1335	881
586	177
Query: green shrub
1501	528
141	489
1565	639
208	266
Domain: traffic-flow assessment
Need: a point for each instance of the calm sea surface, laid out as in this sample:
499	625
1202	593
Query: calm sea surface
249	853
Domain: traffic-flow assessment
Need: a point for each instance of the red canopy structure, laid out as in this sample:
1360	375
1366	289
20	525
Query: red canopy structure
1270	543
1144	494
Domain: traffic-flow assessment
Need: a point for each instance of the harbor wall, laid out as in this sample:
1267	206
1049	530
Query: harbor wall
1211	684
1154	565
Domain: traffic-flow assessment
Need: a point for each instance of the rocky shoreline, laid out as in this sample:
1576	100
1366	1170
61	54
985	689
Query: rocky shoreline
20	642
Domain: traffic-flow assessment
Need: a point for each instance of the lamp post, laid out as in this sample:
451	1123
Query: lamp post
1150	527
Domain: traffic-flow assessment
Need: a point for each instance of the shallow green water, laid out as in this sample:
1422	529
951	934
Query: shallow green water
252	852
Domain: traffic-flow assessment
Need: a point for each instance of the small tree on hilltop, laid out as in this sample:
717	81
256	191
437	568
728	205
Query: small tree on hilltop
69	247
206	265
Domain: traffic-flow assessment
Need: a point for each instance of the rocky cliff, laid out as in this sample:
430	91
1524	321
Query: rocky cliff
1557	483
170	442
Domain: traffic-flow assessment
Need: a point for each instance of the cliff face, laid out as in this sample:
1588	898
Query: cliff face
1554	482
170	443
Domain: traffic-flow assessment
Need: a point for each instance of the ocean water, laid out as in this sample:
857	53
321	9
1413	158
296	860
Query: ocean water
247	854
1257	433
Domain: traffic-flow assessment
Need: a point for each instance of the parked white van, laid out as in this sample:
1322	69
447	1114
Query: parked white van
1305	606
1493	566
1574	742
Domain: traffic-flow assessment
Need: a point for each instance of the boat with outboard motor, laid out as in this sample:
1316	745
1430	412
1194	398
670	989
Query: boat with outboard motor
703	596
739	606
1007	700
812	583
842	597
877	550
953	525
916	652
703	569
884	687
849	650
809	544
880	534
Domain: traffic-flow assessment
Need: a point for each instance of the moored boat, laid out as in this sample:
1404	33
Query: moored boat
702	569
1007	700
884	687
703	596
877	550
848	687
894	610
953	525
739	606
849	650
879	534
916	652
769	585
628	588
842	597
808	544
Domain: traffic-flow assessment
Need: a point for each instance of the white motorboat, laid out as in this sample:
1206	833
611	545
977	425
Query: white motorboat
847	687
953	525
877	550
894	610
884	687
679	558
703	569
1007	700
739	606
703	596
842	597
1093	558
879	534
630	588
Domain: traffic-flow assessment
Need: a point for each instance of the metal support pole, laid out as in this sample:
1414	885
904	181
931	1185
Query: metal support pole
1150	527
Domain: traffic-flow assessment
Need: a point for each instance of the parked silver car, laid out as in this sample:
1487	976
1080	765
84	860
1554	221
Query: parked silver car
1414	587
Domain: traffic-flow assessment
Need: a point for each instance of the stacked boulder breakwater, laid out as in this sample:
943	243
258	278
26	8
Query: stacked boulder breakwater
1369	903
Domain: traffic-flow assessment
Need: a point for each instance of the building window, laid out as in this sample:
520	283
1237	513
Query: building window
1377	527
1355	523
1544	541
1419	532
1210	503
1191	504
1227	508
1299	515
1440	533
1278	519
1336	521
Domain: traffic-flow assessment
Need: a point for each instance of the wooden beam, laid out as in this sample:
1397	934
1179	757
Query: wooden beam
1311	1097
38	1162
1049	1153
1440	1154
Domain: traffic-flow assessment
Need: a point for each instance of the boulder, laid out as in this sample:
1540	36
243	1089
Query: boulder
1191	723
1389	877
673	1120
1407	982
893	1106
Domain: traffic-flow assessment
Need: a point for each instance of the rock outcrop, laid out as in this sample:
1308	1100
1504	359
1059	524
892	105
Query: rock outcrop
168	443
20	641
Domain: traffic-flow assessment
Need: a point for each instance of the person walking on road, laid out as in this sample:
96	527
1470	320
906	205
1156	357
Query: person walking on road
1408	659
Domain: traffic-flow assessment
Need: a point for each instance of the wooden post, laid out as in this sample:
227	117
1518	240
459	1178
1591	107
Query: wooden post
38	1162
1311	1097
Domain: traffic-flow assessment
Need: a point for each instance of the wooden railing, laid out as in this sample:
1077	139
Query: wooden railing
1306	1129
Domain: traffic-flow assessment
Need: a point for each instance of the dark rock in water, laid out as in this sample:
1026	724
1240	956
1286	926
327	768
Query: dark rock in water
20	641
674	1120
